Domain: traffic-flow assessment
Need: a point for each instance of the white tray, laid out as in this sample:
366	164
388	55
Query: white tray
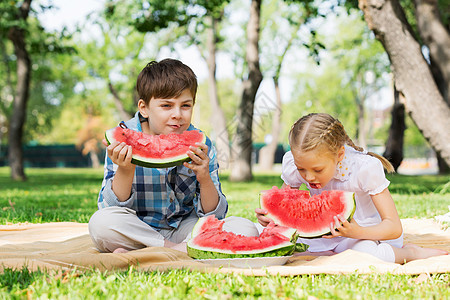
252	262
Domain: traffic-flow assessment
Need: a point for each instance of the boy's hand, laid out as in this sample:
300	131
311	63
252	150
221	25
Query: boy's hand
261	215
120	154
200	161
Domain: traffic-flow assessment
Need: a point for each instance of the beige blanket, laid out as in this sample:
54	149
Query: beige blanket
68	246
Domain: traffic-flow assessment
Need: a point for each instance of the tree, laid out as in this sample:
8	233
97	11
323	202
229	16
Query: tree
241	169
436	37
412	74
189	21
16	33
394	144
281	31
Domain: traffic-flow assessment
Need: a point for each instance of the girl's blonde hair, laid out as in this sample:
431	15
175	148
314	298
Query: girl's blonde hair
322	130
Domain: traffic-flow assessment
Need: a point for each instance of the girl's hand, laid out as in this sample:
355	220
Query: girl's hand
120	154
342	227
200	161
262	219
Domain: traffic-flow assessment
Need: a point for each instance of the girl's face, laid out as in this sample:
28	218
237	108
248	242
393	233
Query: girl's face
168	115
317	166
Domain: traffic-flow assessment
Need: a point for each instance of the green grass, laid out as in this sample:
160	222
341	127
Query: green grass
71	194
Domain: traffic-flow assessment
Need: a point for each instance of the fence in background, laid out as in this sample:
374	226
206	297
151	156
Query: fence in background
50	156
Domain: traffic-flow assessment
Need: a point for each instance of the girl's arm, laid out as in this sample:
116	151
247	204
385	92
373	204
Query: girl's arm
389	228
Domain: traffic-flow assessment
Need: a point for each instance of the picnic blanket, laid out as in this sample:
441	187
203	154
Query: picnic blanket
67	246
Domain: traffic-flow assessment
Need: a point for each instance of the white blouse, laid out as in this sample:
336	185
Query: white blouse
358	172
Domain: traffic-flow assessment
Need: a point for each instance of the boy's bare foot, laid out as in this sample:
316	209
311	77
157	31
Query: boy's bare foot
120	250
180	247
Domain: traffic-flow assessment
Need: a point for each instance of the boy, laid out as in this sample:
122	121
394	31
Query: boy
141	207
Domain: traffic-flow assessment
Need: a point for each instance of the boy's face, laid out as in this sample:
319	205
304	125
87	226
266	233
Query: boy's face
168	115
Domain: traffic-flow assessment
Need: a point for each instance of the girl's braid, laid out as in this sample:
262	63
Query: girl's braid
351	144
330	129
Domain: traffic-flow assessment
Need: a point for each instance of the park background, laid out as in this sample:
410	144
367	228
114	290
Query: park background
68	73
312	56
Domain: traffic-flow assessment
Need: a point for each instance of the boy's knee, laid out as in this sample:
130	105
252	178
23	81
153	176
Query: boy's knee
102	225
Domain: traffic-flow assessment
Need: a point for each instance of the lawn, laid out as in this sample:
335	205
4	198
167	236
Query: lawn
53	195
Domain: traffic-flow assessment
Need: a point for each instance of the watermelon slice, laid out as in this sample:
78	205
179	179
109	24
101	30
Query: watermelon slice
310	215
156	151
209	240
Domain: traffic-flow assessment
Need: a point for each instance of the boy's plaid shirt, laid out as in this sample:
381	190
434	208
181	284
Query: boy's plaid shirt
162	197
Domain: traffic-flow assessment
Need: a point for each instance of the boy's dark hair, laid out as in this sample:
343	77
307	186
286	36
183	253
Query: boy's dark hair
165	79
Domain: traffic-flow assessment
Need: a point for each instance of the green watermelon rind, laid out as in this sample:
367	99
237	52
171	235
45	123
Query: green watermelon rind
205	254
319	233
284	249
154	163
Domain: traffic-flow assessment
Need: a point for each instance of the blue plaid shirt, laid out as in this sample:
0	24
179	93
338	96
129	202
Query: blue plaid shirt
162	197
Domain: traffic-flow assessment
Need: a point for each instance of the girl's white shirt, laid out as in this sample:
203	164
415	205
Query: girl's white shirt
359	173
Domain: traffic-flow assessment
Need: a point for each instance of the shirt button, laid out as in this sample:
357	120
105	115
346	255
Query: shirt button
171	200
190	171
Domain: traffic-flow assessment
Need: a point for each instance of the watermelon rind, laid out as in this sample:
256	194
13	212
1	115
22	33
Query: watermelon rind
199	253
282	249
152	162
349	198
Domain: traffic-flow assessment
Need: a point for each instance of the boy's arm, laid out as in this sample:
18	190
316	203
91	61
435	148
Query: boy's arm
208	195
205	166
118	178
120	154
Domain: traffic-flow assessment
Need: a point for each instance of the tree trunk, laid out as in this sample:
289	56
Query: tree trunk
436	38
124	115
361	133
412	75
94	159
394	144
267	153
15	152
242	144
222	139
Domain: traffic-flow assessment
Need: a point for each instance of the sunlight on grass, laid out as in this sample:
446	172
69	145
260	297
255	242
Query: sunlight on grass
184	284
52	195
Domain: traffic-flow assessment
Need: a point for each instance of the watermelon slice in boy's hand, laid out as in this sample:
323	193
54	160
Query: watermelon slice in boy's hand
311	216
156	151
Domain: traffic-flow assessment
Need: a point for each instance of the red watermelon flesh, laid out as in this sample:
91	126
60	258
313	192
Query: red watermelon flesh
209	240
156	151
310	215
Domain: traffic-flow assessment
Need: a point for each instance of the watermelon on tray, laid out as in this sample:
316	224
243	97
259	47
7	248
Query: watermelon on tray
210	241
156	151
310	215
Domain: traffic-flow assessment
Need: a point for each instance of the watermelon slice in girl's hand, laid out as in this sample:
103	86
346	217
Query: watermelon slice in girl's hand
156	151
310	215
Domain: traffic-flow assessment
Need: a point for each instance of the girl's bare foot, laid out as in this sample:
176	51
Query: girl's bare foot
120	250
421	253
411	252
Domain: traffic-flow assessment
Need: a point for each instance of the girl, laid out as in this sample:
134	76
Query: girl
323	157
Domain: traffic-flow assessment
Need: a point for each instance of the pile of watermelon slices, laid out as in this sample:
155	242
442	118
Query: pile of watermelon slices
295	214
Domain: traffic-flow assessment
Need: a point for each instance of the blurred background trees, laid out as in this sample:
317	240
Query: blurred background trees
70	85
